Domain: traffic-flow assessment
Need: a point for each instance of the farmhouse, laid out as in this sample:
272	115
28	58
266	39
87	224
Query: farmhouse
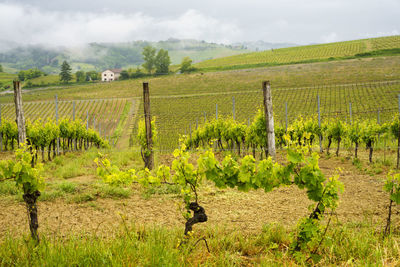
110	75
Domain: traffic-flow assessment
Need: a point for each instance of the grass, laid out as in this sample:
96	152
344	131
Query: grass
6	80
354	244
121	123
8	188
71	165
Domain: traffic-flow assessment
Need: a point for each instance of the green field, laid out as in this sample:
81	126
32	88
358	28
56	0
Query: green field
303	54
6	80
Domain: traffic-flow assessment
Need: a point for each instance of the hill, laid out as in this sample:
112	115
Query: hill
100	56
306	54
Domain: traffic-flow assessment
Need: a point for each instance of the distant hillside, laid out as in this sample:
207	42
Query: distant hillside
261	45
99	56
306	54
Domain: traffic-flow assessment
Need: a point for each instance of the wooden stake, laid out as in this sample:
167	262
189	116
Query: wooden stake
269	118
149	159
19	112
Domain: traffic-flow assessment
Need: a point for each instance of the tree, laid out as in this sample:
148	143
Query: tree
80	76
162	62
65	74
186	65
124	75
92	76
137	74
29	74
1	68
149	54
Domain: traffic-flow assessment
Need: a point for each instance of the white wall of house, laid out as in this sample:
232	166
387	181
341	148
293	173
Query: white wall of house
108	76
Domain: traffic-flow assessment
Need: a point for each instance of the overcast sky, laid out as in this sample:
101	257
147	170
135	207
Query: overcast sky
74	22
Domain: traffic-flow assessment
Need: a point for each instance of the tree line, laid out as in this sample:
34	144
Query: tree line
155	63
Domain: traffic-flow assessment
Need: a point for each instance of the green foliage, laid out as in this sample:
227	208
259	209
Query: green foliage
29	74
149	56
124	75
80	76
244	174
26	177
1	68
92	76
162	62
227	132
136	74
65	74
392	186
186	65
141	136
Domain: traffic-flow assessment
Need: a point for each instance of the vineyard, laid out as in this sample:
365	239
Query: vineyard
206	187
377	101
305	53
103	115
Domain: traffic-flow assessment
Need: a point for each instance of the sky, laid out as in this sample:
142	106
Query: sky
76	22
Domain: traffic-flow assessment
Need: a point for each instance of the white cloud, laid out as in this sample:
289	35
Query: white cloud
379	34
29	25
330	38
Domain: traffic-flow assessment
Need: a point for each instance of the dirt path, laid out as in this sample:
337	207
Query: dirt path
123	142
363	199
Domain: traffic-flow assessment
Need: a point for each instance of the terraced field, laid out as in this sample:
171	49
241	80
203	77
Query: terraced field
304	53
101	114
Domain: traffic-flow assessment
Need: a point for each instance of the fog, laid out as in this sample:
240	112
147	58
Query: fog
72	23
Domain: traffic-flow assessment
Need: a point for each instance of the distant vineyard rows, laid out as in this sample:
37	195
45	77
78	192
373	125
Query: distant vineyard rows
179	115
304	53
103	114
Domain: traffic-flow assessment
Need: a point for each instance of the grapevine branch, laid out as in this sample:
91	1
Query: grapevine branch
198	241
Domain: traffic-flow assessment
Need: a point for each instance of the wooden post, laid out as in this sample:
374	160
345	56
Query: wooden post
269	118
19	112
149	159
73	110
398	138
73	118
319	123
87	120
58	139
1	135
30	198
351	114
233	108
286	116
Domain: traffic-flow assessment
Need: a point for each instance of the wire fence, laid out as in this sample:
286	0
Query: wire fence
181	115
178	115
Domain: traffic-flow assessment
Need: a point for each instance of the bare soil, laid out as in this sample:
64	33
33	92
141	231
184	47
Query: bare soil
363	199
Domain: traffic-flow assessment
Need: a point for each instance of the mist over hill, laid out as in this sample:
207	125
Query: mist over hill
100	56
